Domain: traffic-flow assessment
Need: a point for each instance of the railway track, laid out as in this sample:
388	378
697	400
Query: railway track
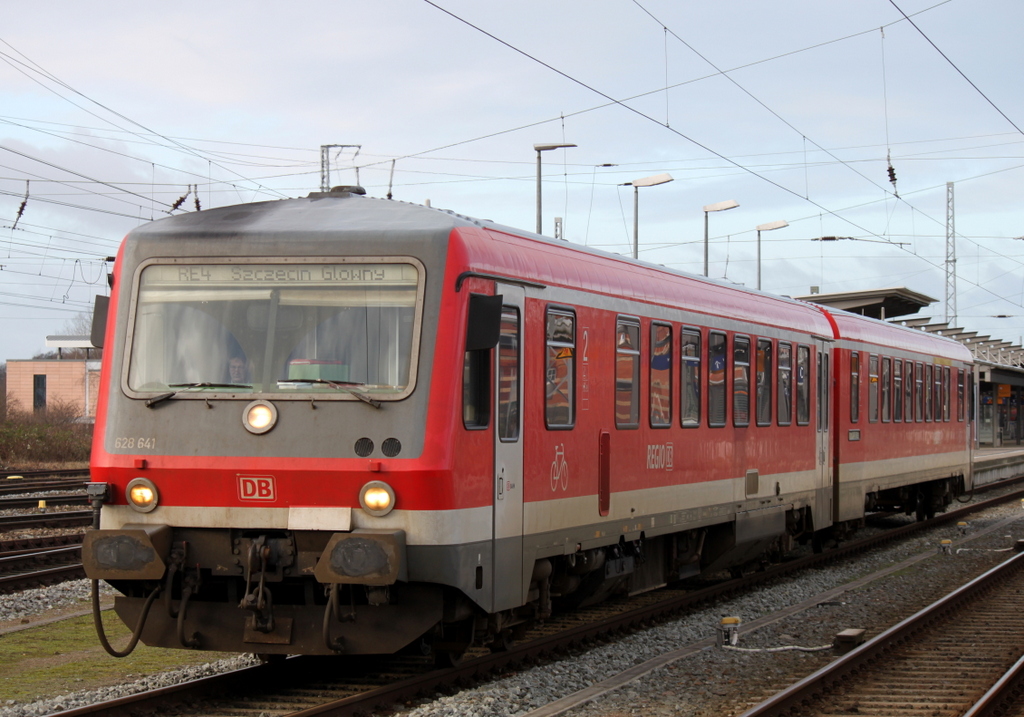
40	578
302	687
61	519
41	542
43	481
51	560
41	486
50	500
29	476
940	661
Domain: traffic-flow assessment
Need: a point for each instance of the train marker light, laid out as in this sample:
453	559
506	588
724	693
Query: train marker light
142	495
377	498
259	417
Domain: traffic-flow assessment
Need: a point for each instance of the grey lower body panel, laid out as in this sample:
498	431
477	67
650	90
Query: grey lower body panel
375	629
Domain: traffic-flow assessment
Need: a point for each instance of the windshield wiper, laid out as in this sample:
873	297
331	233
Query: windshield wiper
185	386
349	386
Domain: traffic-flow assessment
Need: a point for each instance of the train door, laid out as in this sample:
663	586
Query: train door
508	453
824	462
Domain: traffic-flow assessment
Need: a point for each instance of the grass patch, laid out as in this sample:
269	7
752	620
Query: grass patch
53	436
65	656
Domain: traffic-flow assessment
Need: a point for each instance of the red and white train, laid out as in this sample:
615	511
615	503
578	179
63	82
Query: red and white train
349	425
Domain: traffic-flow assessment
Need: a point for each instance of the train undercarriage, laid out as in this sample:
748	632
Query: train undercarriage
282	592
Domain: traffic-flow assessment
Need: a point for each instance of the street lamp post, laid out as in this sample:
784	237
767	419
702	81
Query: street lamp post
636	184
719	207
544	148
766	228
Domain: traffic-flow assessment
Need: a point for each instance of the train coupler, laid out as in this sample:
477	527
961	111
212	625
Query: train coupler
258	599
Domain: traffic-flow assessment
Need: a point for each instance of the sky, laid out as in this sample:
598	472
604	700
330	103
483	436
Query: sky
111	112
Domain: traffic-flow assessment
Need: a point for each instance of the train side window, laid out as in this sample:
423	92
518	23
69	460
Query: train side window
661	376
941	412
886	387
741	381
897	390
716	378
919	393
689	381
854	386
508	375
784	411
763	402
873	388
945	392
476	390
803	385
960	403
908	391
627	373
560	373
928	391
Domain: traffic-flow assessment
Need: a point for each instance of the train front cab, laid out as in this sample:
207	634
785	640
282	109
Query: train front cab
253	522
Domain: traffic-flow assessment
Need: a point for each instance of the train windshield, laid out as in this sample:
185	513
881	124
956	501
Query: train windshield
330	329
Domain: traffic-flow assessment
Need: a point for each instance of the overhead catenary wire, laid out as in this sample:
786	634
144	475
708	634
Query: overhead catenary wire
423	174
647	117
30	68
643	115
958	70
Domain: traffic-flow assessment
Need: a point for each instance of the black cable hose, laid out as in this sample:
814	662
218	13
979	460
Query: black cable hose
97	620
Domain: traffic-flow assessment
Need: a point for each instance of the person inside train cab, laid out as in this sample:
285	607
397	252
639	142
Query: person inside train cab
238	372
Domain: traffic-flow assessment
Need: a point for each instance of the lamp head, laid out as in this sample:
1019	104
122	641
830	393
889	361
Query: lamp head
652	181
722	206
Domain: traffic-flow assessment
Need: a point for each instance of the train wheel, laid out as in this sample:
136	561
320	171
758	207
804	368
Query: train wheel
448	658
452	642
921	511
502	642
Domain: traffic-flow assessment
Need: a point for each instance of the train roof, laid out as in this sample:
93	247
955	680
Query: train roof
505	251
854	327
396	226
321	215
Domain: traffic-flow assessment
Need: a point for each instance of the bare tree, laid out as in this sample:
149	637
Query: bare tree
79	325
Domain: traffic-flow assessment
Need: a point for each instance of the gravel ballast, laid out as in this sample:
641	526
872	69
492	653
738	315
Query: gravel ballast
712	682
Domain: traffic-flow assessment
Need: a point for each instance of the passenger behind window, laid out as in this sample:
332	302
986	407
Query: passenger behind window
238	370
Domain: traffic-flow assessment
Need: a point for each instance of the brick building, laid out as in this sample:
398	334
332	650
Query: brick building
35	384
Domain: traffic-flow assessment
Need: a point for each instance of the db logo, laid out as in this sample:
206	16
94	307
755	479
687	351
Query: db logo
256	488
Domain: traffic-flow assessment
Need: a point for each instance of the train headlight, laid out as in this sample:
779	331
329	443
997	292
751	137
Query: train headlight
259	417
377	498
142	495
